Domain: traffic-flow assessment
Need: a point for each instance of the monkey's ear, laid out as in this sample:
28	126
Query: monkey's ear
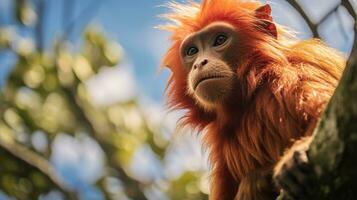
263	13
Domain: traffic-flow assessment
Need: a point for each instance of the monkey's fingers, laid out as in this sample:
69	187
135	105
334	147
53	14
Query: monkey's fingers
294	176
289	183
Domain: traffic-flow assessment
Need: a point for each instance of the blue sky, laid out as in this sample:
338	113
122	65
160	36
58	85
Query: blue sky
132	24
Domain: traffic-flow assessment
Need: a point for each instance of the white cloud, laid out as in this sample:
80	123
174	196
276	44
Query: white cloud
112	85
146	165
78	160
185	154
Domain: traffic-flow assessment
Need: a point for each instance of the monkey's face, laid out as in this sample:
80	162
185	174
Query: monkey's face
210	57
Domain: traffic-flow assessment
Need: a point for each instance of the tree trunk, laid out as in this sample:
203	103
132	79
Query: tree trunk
333	152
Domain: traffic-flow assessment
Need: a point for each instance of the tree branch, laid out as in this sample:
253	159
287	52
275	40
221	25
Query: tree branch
333	150
314	25
347	4
39	163
132	187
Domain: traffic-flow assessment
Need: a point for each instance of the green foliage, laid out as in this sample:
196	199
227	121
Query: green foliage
46	92
24	12
189	183
21	180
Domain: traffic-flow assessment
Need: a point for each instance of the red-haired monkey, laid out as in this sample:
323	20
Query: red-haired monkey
251	90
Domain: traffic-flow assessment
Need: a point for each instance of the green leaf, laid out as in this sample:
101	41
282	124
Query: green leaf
24	13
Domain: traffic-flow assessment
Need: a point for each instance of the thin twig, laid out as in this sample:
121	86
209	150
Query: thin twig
347	4
312	26
327	15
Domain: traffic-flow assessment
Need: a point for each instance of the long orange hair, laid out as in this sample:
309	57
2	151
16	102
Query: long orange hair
284	86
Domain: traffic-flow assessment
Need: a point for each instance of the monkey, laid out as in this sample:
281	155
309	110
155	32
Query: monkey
252	89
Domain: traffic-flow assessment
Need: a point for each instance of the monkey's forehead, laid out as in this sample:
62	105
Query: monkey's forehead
214	27
189	17
207	32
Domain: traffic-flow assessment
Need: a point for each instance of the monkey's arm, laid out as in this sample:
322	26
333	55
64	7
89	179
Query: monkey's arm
292	172
223	185
257	186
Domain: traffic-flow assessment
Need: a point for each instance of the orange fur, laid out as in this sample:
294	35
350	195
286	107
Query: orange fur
284	86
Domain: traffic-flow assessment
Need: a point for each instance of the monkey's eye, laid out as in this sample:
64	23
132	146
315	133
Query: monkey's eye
191	51
220	39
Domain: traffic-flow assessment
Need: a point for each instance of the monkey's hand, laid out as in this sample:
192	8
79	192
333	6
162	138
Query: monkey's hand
293	171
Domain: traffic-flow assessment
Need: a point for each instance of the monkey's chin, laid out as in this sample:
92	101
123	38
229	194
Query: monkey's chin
213	91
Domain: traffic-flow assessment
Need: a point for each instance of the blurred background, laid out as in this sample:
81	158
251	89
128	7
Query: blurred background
82	104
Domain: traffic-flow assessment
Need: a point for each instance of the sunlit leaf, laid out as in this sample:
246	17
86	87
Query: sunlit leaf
51	82
64	62
5	133
12	118
24	46
82	68
100	51
34	76
25	13
7	35
112	53
28	99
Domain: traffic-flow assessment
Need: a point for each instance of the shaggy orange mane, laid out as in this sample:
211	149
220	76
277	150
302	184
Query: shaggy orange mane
284	86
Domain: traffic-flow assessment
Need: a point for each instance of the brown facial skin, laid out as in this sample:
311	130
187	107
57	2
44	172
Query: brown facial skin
209	56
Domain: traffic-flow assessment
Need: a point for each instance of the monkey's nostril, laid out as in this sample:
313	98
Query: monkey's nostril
200	64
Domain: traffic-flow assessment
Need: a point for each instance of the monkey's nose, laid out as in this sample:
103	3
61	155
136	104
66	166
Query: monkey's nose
200	64
204	62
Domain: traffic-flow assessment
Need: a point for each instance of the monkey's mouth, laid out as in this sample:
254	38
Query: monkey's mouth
206	78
